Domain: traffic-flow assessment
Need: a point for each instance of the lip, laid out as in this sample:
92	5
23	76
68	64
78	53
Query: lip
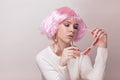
70	36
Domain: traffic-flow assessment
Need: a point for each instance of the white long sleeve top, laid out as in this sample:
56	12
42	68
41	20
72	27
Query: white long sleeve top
80	68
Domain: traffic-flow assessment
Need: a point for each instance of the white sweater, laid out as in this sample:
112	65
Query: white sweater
78	69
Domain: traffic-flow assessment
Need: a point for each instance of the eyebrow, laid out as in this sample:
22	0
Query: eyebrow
70	22
76	24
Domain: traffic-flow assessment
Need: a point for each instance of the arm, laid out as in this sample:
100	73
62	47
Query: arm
49	70
95	72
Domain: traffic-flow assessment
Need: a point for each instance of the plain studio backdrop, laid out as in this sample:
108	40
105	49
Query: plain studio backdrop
20	38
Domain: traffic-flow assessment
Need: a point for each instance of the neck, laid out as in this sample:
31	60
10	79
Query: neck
60	47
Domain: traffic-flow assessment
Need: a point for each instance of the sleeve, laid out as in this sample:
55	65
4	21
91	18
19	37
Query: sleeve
96	71
50	71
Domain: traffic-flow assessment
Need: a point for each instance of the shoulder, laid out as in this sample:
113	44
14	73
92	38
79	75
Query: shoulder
42	54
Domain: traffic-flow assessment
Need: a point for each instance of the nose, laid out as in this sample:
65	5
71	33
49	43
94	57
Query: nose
72	29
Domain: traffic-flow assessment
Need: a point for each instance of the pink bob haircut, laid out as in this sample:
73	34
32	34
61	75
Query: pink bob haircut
50	25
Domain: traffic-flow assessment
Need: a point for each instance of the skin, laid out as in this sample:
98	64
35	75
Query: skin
66	31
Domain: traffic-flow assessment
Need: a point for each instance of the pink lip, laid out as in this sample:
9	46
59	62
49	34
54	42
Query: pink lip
70	36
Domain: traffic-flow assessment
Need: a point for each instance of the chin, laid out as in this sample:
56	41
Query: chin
68	41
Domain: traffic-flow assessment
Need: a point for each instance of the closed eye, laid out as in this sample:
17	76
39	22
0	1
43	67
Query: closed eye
66	24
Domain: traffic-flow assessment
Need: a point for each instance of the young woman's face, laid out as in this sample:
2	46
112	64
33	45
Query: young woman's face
67	30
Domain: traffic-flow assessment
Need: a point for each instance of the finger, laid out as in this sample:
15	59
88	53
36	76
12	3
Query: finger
70	51
77	53
74	51
93	30
96	32
97	39
103	34
72	48
99	33
71	56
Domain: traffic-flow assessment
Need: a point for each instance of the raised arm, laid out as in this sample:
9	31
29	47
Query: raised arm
96	71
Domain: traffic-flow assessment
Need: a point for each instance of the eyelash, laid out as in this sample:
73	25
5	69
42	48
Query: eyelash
67	25
75	26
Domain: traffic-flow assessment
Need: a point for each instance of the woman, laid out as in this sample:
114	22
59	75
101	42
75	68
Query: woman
64	61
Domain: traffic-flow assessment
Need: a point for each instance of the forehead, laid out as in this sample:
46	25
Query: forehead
71	20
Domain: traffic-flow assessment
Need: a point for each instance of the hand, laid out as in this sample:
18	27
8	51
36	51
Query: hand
101	35
69	53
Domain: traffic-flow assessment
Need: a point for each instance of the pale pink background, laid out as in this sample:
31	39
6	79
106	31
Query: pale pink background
20	38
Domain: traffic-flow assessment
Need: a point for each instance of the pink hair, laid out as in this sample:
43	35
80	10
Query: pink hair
51	23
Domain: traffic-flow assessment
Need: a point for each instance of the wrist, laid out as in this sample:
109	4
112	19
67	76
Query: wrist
61	63
103	45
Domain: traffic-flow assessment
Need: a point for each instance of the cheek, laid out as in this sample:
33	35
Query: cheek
61	32
76	32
